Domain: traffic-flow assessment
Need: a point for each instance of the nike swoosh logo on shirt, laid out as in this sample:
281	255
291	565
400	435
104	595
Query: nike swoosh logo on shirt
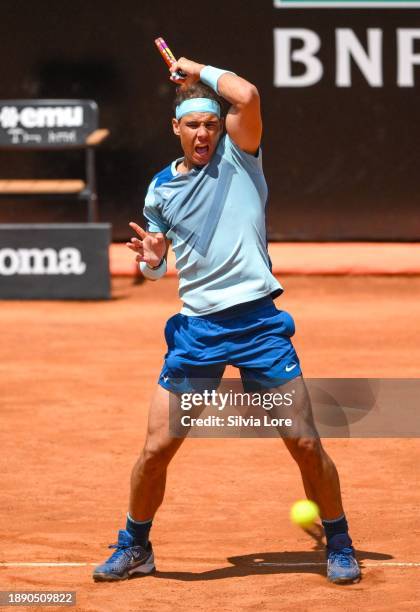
290	367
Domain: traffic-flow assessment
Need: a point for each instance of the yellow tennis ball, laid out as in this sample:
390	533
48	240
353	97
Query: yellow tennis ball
304	513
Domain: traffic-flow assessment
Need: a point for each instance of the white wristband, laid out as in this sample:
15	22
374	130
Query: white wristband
153	273
210	76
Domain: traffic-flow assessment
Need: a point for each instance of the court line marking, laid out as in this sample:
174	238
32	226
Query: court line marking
379	564
262	564
45	564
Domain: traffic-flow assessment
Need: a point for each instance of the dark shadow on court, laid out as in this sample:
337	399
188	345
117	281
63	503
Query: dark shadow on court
122	287
277	563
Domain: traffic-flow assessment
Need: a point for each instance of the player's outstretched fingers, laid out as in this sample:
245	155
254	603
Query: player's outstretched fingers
137	246
139	230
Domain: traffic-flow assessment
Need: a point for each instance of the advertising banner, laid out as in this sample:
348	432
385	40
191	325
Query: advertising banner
46	123
54	261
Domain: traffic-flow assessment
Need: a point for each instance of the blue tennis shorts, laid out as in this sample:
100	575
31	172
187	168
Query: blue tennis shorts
254	337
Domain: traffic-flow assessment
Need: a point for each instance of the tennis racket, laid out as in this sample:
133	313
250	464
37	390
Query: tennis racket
169	59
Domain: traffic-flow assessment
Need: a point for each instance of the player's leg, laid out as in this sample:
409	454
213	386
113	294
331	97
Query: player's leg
319	474
267	360
148	477
321	482
134	553
185	366
185	371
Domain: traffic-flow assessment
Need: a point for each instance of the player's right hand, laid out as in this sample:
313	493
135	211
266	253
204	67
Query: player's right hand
188	67
150	247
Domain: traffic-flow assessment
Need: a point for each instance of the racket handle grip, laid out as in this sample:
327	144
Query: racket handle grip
179	75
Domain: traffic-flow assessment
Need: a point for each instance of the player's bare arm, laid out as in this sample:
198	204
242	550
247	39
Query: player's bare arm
243	120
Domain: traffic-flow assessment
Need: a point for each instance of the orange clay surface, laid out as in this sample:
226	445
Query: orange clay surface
307	258
76	379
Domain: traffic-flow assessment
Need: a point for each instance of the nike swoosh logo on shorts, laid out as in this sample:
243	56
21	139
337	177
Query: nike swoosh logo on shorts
290	367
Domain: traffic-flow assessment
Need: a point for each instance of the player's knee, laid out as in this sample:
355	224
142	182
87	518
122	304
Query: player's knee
155	458
307	451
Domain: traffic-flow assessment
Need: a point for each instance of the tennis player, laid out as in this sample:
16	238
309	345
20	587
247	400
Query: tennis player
210	204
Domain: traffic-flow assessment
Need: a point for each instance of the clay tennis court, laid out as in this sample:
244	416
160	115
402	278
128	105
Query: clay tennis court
76	379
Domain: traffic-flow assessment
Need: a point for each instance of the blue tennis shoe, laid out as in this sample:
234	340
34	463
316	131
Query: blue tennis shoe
342	566
129	560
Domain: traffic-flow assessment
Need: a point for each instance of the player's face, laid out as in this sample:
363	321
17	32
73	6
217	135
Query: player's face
199	134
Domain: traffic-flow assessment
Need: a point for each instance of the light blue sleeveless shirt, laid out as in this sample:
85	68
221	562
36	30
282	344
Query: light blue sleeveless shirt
215	218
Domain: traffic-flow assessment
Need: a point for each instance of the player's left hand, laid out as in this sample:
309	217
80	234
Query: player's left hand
190	68
150	247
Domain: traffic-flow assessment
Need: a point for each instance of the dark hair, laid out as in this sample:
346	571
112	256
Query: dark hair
197	90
